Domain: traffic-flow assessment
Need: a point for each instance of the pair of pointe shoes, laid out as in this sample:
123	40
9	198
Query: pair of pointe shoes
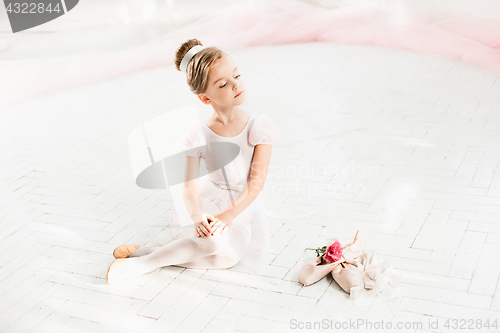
346	276
114	274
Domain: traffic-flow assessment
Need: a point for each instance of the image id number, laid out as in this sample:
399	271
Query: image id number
32	8
463	324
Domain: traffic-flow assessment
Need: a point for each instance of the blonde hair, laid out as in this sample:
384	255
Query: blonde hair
198	68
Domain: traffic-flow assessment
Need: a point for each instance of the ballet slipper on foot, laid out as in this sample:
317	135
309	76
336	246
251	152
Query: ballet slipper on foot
124	251
116	271
312	271
348	277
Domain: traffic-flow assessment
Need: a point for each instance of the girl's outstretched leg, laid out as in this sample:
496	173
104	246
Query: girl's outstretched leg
178	251
142	251
225	259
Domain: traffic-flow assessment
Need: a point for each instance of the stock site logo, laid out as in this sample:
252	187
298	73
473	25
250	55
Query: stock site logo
26	15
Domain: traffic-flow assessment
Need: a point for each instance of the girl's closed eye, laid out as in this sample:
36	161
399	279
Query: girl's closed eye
237	76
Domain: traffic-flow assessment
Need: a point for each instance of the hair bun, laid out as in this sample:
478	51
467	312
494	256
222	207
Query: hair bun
199	66
183	49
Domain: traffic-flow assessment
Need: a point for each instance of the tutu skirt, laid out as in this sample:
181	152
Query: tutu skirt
249	236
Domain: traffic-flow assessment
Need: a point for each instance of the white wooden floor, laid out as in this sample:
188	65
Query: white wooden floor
401	146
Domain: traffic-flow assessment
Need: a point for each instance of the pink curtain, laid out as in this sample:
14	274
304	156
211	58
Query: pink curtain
251	23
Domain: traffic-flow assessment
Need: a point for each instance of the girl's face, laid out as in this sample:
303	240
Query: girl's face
224	83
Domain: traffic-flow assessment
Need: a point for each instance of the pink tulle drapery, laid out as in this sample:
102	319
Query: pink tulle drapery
256	22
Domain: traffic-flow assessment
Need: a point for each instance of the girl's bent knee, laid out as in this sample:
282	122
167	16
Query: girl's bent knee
232	262
215	244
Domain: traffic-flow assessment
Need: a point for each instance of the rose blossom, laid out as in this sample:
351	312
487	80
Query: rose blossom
333	252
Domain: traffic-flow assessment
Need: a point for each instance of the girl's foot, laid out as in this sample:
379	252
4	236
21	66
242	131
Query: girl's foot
124	251
116	271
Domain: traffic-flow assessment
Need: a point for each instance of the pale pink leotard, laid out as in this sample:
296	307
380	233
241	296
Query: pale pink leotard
249	234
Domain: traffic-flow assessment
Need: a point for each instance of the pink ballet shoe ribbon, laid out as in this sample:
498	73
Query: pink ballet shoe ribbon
353	249
349	257
376	276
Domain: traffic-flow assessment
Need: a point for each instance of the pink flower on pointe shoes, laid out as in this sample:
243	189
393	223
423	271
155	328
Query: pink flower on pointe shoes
333	252
330	259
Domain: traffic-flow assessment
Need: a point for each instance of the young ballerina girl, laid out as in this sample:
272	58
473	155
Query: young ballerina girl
226	209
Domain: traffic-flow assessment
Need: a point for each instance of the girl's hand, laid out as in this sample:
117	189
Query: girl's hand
223	222
202	227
